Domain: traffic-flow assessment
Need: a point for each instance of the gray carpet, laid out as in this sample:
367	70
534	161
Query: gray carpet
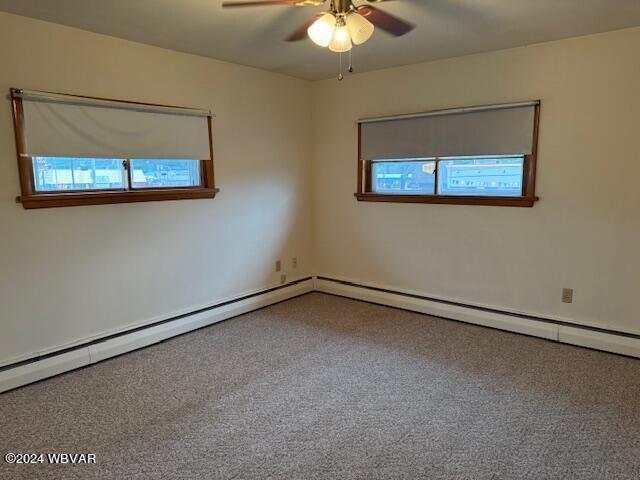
321	387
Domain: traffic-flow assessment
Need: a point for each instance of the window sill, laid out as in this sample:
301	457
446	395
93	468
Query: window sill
50	200
449	200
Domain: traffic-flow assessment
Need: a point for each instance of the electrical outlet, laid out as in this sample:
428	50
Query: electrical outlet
278	265
294	262
283	278
567	295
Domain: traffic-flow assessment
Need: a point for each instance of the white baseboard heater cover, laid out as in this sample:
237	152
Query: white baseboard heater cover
574	335
55	364
620	344
29	372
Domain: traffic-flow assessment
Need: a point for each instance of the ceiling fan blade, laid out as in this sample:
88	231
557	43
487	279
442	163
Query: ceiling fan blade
386	21
258	3
301	33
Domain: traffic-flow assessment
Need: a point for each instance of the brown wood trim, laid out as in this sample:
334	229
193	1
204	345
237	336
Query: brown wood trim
368	177
449	200
17	91
532	160
458	109
360	187
207	165
100	198
24	164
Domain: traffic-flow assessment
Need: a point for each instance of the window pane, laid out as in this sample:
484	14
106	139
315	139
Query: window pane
487	177
165	173
54	174
415	177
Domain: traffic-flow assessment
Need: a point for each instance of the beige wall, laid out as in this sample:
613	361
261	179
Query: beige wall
70	274
585	231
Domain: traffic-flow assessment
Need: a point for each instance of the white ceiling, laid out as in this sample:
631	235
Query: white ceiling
254	36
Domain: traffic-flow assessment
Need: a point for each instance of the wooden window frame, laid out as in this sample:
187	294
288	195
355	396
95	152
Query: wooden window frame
364	192
31	198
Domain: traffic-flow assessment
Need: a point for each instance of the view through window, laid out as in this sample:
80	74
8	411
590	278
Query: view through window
413	177
53	174
165	173
56	174
494	176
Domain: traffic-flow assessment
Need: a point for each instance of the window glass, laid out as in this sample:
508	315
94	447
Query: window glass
412	177
165	173
53	174
481	176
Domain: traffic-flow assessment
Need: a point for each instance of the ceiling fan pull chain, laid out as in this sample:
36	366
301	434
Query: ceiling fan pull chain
340	75
351	61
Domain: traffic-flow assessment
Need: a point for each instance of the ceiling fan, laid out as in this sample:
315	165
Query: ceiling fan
344	24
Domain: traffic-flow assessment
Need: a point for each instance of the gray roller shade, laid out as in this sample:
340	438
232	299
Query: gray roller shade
67	126
494	130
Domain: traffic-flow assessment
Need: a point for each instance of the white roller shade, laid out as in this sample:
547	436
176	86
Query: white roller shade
495	130
66	126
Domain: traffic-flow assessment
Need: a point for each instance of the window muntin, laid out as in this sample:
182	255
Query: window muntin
481	176
165	173
404	177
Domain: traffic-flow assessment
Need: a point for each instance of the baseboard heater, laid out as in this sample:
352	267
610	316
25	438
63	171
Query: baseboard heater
44	366
555	330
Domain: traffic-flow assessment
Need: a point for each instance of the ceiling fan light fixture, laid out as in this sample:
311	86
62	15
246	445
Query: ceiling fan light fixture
341	41
321	32
360	29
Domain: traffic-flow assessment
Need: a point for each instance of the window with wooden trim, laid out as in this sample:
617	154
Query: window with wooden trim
466	156
75	150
